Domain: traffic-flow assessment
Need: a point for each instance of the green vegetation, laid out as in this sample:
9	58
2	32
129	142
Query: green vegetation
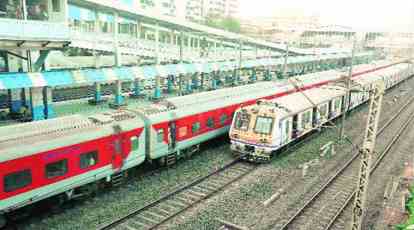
410	208
227	23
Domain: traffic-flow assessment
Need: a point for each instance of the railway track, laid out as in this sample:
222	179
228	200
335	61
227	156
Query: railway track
163	209
321	210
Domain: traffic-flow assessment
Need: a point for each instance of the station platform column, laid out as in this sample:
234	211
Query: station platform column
97	97
267	75
37	106
188	86
119	99
196	81
170	84
49	112
136	90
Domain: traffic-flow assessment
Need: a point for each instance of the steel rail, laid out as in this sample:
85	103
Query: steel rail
166	197
343	168
390	145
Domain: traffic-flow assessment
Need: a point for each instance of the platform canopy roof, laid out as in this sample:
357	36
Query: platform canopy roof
105	75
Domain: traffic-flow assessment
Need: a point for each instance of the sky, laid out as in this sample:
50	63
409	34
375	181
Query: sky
372	15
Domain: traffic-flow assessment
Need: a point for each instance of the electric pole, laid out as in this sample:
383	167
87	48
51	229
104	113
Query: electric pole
348	82
366	153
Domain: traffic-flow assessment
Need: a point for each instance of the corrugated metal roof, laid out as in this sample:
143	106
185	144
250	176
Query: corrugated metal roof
90	76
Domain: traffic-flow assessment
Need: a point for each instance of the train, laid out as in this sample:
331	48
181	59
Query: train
73	156
260	130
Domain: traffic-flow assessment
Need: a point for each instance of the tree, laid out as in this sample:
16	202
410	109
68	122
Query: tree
227	23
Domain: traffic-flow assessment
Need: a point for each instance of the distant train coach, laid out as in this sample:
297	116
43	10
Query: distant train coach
259	130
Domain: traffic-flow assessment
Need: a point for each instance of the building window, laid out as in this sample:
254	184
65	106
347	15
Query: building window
17	180
160	136
195	127
88	159
134	143
55	169
210	122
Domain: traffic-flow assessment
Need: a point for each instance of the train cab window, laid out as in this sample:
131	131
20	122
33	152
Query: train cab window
223	119
55	169
210	122
88	159
134	143
17	180
263	125
160	135
195	127
242	121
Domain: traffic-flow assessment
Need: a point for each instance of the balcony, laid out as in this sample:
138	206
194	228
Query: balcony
20	33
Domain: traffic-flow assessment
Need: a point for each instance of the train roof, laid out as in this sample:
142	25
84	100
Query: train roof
173	108
25	139
300	101
378	75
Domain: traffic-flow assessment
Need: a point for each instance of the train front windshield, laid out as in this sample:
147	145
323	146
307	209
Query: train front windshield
263	125
242	121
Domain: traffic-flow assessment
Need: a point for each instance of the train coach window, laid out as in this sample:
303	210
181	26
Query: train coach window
306	119
195	127
17	180
322	110
134	143
223	119
55	169
337	104
160	136
210	122
88	159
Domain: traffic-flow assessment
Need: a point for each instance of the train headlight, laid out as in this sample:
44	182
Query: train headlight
264	140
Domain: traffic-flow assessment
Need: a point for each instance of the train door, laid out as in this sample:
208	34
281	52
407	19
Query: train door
285	131
295	126
330	109
315	117
118	148
172	136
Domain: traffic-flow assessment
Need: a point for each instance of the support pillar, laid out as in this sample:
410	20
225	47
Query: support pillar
157	90
188	86
253	76
97	98
136	91
196	81
202	80
170	84
213	81
48	102
119	99
37	106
